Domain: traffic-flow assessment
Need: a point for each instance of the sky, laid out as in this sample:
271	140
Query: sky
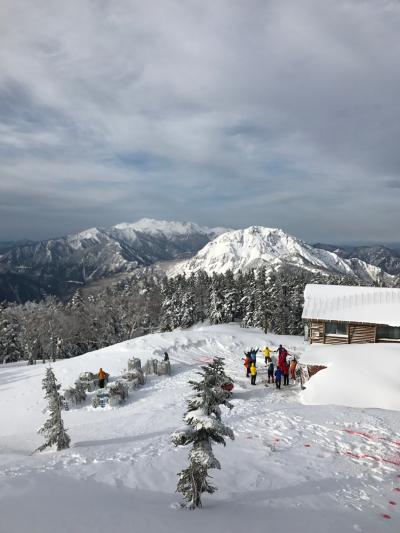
283	113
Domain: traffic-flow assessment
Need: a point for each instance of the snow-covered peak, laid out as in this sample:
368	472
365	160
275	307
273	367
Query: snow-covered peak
164	227
91	234
167	228
271	247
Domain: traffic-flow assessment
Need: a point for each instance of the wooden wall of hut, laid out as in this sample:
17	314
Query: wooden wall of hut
357	334
361	333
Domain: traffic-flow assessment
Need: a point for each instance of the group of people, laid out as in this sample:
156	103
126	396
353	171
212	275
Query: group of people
284	367
250	363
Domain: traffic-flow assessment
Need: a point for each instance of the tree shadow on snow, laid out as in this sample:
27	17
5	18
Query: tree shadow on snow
122	440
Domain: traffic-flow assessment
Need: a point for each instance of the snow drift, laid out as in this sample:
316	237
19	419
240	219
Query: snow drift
357	375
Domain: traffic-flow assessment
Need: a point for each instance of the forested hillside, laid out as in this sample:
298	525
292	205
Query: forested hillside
51	329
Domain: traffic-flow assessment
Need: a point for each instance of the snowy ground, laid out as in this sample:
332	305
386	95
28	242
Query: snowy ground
306	468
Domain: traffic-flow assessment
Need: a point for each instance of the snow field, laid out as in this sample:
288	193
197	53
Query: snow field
291	466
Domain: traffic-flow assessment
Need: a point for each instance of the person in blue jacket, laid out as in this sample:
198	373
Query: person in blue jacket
270	370
278	378
253	355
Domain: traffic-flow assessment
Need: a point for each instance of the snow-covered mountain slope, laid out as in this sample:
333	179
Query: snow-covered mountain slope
57	265
388	259
259	246
291	467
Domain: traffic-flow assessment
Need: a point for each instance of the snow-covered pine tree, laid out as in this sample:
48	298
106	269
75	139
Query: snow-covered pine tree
231	304
171	302
216	310
217	368
248	299
188	311
53	429
200	283
9	349
260	313
204	426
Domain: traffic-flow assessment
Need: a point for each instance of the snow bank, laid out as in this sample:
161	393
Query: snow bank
357	375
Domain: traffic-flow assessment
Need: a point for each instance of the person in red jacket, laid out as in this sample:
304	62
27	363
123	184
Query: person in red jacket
282	354
285	371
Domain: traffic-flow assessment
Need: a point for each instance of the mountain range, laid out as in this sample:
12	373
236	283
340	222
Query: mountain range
32	270
59	266
388	259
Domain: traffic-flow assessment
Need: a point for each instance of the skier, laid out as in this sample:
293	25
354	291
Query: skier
271	371
253	372
102	377
166	356
278	378
267	355
247	363
293	365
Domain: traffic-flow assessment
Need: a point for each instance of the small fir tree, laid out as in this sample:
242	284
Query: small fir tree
53	429
204	427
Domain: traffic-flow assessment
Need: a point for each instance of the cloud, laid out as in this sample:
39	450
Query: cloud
279	112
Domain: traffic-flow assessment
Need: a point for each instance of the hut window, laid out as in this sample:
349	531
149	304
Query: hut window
335	328
388	332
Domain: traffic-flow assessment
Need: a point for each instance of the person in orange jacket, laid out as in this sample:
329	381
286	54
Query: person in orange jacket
293	365
247	363
102	377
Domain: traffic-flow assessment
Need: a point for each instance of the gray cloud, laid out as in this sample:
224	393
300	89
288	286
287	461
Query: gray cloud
281	112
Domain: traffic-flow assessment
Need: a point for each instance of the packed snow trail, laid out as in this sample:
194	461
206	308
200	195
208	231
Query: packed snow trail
291	466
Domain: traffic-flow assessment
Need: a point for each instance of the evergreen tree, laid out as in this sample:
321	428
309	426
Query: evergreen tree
248	299
204	426
9	347
216	303
260	314
53	429
201	288
188	312
171	298
231	298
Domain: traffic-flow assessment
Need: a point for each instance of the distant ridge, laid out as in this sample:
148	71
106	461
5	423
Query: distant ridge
58	266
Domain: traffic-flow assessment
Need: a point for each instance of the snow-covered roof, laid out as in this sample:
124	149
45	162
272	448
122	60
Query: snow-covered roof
373	305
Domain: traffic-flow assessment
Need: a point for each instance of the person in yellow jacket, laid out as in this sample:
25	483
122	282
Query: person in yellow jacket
253	373
267	354
102	377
